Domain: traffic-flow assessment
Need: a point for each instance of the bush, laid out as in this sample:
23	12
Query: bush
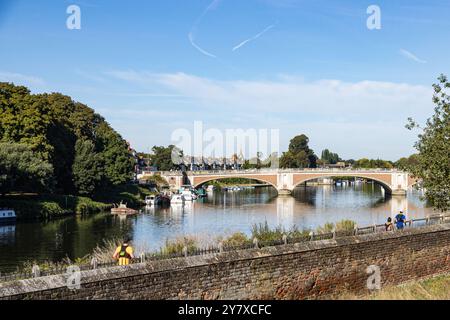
176	245
340	226
235	240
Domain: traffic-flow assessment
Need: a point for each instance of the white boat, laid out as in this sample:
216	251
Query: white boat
177	199
210	188
187	195
150	200
7	215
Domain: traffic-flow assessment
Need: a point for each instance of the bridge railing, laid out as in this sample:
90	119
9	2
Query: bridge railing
273	170
255	243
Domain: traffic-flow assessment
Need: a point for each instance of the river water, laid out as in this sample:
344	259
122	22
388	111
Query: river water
220	213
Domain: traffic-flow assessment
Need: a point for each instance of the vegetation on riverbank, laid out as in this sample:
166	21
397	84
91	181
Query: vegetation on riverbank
51	206
46	206
434	288
61	149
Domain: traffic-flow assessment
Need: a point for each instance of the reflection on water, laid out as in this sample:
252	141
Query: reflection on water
220	213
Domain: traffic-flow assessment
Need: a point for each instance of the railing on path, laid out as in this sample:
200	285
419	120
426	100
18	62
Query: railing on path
186	252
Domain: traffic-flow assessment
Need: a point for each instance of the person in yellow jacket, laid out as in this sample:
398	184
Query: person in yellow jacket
124	253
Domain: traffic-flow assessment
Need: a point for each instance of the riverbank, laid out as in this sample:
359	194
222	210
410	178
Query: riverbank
52	206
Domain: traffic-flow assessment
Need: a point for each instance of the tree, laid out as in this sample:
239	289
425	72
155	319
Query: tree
329	157
162	157
118	162
373	163
299	155
51	124
406	164
22	170
87	168
433	146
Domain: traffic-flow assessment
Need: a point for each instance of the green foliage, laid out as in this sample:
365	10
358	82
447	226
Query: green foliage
373	164
46	206
236	239
343	225
263	232
432	163
162	157
157	180
176	245
22	170
329	157
407	164
130	194
299	154
86	168
51	124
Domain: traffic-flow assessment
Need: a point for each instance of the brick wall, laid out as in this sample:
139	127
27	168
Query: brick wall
295	271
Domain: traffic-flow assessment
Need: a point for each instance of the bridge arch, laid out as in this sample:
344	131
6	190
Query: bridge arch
199	182
386	186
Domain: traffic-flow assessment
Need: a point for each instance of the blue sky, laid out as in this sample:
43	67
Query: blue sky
313	67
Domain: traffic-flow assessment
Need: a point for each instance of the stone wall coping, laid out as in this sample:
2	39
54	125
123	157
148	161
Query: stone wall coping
17	287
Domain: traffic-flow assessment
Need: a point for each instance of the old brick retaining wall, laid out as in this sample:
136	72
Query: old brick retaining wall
293	271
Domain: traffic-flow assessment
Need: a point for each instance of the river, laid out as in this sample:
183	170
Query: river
220	213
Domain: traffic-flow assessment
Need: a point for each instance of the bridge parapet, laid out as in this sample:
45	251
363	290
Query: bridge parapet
395	182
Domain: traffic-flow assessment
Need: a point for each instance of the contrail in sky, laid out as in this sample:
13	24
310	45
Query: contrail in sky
411	56
191	36
253	38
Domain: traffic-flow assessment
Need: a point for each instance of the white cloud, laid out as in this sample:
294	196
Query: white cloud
21	79
357	119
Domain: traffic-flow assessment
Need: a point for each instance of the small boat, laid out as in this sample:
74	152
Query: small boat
123	210
150	200
163	200
187	195
7	216
177	199
210	188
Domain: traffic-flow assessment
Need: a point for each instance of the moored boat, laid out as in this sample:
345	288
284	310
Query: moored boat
150	200
123	210
7	215
177	199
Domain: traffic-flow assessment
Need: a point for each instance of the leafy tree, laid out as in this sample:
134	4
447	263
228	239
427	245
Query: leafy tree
21	170
406	164
87	168
162	157
373	163
299	155
433	146
51	124
118	162
329	157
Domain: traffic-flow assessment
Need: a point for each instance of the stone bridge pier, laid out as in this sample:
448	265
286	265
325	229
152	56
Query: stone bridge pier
394	182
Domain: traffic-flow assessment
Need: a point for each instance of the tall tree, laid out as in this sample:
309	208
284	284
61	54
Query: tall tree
329	157
433	146
87	168
299	155
162	157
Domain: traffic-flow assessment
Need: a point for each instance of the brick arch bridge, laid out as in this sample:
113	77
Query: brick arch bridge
393	181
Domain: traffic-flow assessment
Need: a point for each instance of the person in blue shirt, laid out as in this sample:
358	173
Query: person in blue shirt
400	220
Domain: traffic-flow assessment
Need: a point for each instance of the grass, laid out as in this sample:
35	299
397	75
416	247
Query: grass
434	288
